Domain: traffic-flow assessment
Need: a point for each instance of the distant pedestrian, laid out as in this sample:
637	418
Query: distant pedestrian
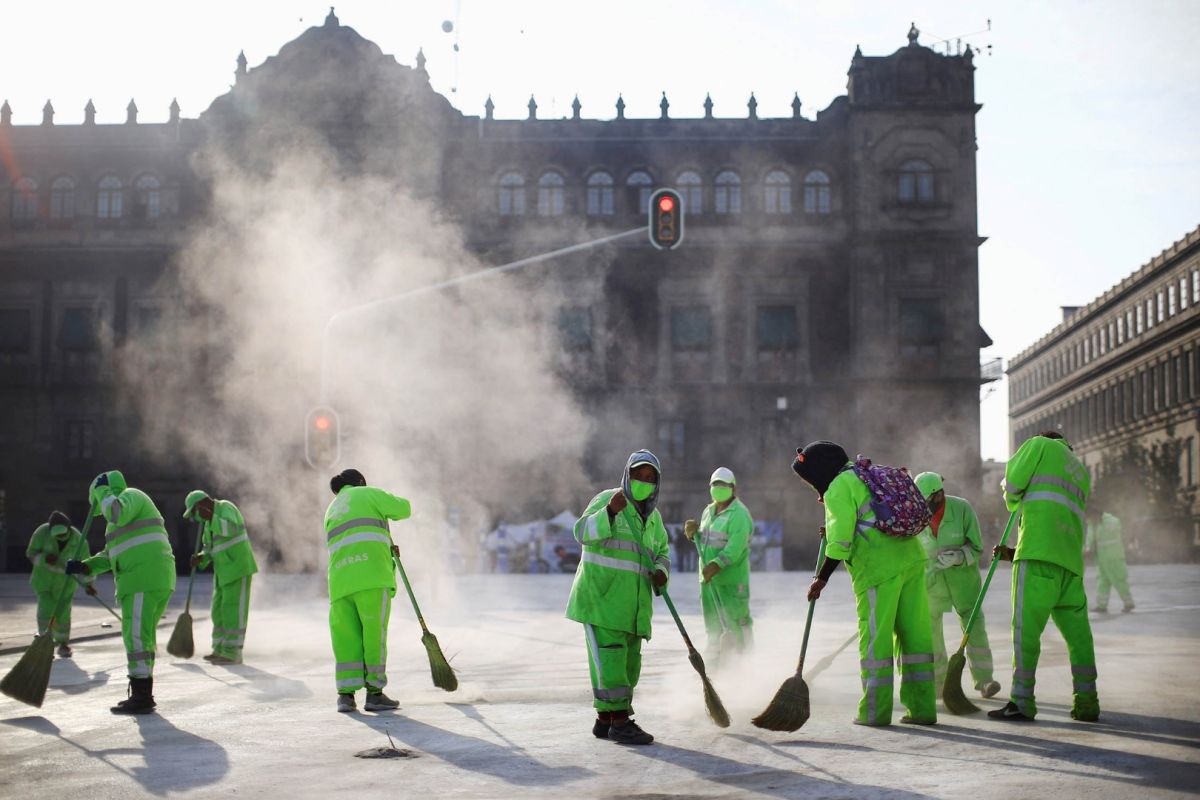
1104	536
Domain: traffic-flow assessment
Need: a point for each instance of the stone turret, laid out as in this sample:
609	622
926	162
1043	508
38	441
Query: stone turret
48	114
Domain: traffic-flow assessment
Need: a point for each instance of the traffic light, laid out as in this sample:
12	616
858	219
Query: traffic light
666	219
322	439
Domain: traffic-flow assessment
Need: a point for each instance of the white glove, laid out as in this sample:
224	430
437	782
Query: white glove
951	558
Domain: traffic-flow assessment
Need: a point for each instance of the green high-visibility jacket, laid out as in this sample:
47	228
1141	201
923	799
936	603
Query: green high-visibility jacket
871	555
1051	486
725	538
1106	538
360	546
959	528
48	577
226	544
612	586
136	547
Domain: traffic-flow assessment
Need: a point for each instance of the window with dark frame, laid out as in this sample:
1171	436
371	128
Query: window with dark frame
915	182
691	329
80	440
78	330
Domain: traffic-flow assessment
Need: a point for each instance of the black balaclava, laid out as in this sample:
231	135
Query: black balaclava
347	477
819	463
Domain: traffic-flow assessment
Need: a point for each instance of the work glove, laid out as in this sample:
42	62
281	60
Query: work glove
195	560
658	578
952	557
51	558
1003	553
77	568
710	570
689	529
90	589
814	588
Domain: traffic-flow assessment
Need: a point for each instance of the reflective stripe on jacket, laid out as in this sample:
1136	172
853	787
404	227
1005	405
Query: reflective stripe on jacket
136	547
871	555
1051	486
612	586
725	538
227	544
959	528
47	577
358	541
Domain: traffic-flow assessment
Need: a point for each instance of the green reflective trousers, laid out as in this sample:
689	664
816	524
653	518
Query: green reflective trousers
615	664
47	604
230	610
726	608
1114	574
956	589
140	615
358	625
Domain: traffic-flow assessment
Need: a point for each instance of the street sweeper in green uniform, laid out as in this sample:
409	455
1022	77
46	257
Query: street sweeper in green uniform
54	543
225	544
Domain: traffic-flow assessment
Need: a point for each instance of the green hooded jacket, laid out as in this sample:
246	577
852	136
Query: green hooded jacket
871	555
725	538
959	528
48	577
358	540
226	544
1105	536
1050	486
136	547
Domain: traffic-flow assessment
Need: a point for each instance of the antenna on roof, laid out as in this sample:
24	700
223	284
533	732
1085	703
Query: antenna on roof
953	45
449	26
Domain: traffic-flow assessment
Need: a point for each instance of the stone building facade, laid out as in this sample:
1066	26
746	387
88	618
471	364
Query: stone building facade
827	287
1124	369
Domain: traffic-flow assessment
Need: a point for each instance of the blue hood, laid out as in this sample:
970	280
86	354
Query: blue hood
647	506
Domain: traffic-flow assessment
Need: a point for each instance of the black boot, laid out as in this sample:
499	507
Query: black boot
625	731
141	698
602	724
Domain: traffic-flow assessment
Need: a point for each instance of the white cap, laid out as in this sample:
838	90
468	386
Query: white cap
723	474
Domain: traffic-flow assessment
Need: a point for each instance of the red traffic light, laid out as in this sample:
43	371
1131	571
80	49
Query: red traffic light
666	219
321	423
666	203
322	439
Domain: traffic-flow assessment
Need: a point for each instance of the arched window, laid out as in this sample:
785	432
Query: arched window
109	201
691	189
777	193
640	182
62	198
816	193
727	195
25	200
510	195
145	193
600	194
550	195
916	182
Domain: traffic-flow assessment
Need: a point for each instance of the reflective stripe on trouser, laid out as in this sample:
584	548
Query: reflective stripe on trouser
726	608
1114	574
955	589
358	625
140	615
230	611
61	631
1043	591
615	664
893	621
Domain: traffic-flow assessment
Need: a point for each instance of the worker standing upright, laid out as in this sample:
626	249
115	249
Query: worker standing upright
626	558
723	541
953	545
225	544
888	576
1049	486
362	582
53	543
138	552
1104	535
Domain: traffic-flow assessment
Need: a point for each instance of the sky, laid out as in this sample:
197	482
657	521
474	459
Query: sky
1088	161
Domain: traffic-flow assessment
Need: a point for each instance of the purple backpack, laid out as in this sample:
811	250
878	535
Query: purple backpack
900	508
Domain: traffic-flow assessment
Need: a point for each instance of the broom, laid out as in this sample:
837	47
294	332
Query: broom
712	702
826	662
181	644
789	708
27	681
439	667
952	692
727	643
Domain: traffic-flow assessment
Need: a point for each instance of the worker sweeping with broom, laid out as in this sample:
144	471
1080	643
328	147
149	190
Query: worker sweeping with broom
625	557
723	541
138	552
1050	486
953	544
53	543
362	582
887	572
226	545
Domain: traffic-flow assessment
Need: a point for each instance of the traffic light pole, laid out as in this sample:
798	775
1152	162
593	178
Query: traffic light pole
437	287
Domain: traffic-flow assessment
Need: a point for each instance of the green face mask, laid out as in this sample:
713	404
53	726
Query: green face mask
641	490
720	493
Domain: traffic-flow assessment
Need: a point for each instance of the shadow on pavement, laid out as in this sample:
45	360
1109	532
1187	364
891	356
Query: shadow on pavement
174	760
1142	771
1160	730
67	677
262	685
510	764
765	780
